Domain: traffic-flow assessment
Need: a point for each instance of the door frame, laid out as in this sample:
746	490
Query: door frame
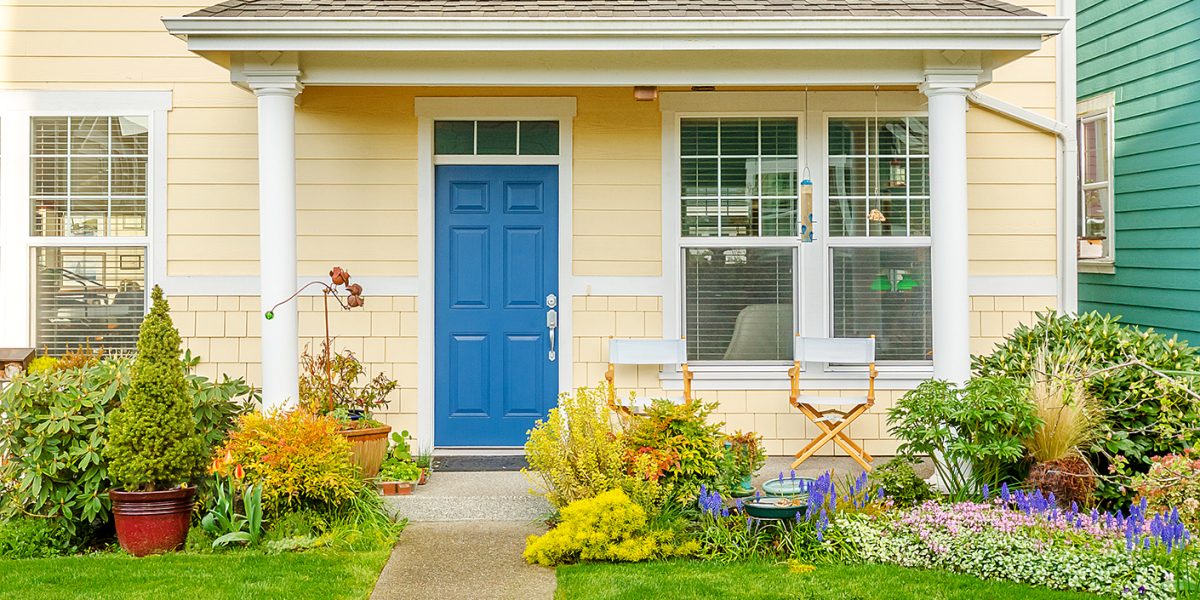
428	110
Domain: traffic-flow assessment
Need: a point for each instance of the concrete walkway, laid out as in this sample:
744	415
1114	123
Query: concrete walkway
469	560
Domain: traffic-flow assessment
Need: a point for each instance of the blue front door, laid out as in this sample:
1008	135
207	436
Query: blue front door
496	239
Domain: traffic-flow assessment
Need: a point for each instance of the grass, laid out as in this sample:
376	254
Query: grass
683	580
232	575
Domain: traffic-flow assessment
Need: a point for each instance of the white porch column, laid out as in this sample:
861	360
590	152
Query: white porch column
948	215
277	238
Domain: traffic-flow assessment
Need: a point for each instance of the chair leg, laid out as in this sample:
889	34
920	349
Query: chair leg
834	434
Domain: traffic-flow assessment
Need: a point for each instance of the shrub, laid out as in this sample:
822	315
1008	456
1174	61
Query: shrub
216	405
574	453
744	456
1144	413
54	429
42	364
981	425
1173	482
27	537
681	431
300	459
900	482
1059	395
609	527
152	443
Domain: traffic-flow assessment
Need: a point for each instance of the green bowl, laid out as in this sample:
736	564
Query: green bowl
772	507
787	487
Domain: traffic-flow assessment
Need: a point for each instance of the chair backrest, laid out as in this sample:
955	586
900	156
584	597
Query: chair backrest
647	352
835	350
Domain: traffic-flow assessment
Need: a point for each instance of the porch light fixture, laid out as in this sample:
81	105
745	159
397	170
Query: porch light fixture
645	93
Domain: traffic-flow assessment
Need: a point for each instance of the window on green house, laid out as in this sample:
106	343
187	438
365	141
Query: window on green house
1095	229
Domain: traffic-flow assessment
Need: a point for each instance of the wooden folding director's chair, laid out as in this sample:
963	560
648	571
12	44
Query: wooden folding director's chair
833	414
645	352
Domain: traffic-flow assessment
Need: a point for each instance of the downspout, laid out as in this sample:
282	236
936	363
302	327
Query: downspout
1068	205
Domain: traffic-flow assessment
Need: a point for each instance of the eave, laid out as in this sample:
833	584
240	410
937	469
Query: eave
333	34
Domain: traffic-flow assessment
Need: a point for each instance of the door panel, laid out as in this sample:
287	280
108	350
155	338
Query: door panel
496	245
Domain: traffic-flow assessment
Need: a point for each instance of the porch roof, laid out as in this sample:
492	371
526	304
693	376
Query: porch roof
649	9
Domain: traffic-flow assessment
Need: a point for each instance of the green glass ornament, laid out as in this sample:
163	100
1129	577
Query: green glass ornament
270	315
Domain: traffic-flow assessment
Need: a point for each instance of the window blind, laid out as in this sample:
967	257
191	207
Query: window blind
90	298
885	292
740	303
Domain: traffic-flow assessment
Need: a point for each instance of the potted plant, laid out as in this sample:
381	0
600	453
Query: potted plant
424	460
744	455
329	381
399	473
329	386
153	450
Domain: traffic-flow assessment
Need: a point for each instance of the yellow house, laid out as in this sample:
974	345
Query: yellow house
516	182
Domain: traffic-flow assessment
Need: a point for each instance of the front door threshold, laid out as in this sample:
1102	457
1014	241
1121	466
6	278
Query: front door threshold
478	451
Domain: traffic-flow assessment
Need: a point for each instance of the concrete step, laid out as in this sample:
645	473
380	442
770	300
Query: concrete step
471	496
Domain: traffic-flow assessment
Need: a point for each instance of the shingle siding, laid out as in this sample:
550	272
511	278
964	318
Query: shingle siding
1146	53
650	9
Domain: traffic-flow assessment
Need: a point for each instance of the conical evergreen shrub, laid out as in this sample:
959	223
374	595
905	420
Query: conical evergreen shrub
152	439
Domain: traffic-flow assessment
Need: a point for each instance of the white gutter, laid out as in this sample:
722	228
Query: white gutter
1016	113
757	33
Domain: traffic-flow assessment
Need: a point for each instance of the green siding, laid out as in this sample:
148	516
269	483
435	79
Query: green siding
1147	53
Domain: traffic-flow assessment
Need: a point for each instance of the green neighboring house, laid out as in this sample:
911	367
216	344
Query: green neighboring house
1139	147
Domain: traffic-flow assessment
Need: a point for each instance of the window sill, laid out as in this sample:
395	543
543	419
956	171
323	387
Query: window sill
776	378
1104	267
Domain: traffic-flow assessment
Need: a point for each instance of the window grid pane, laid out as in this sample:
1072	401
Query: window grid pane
739	177
884	292
88	176
878	177
739	303
495	138
89	297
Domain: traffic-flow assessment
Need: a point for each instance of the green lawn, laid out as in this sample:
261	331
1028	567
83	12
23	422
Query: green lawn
682	580
317	574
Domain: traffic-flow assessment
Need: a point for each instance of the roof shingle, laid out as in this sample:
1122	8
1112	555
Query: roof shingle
648	9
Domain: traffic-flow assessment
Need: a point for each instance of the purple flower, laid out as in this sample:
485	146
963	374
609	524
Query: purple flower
986	493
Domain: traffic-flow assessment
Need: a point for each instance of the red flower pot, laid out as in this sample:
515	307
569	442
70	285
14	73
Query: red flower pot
152	522
397	488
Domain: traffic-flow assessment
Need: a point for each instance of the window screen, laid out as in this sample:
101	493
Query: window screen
885	292
88	176
89	297
740	303
739	177
878	177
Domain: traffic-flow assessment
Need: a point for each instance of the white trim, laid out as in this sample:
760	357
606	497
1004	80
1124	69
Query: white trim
17	107
429	109
249	285
1066	90
1096	108
557	34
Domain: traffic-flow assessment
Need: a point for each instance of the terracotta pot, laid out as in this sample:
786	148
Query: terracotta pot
397	488
369	447
424	476
152	522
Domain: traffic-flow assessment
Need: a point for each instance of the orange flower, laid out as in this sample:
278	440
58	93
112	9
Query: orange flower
228	456
215	466
239	472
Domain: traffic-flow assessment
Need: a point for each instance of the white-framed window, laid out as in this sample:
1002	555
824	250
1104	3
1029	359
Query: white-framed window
80	192
878	245
1094	126
739	195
